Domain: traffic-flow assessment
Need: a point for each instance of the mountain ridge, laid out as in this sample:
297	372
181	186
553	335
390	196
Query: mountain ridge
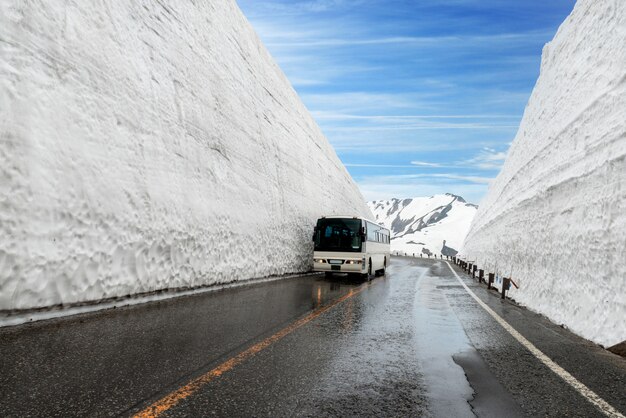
428	225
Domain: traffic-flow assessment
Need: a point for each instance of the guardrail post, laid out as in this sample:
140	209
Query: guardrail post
481	276
505	286
474	269
469	268
491	278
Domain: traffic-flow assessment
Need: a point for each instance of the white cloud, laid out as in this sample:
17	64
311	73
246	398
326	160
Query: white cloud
325	115
377	188
418	127
360	101
339	39
441	178
469	179
487	159
425	164
290	8
379	165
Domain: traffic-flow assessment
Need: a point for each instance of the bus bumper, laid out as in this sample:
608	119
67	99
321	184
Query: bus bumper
347	266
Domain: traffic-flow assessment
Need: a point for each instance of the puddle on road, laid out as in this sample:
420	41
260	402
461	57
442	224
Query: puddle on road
491	399
439	336
372	371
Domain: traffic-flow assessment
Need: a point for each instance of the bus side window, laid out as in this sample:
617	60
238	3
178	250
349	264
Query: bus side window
371	234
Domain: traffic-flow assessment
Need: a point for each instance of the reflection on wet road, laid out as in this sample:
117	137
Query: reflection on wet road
412	343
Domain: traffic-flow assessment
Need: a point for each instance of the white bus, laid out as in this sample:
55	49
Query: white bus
353	245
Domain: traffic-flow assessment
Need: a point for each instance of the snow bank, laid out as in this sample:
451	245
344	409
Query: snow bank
556	214
423	224
153	145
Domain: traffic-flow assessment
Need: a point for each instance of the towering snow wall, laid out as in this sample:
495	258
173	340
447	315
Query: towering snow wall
556	214
151	145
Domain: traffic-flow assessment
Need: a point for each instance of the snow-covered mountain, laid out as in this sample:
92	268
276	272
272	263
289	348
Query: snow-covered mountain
152	145
429	225
556	214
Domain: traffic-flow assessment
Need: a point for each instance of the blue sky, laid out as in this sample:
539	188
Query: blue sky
417	97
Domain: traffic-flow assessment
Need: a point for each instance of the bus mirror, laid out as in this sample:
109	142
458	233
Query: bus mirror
363	232
314	232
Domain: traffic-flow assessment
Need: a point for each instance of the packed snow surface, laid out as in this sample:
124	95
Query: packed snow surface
555	217
154	145
422	225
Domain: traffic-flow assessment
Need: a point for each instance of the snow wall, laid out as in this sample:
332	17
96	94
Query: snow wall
151	145
556	214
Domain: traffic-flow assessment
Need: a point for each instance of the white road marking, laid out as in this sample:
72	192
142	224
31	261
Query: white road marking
590	395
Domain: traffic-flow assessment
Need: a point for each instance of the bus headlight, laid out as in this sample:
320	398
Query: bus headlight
319	260
353	261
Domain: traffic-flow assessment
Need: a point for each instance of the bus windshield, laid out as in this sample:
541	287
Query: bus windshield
338	235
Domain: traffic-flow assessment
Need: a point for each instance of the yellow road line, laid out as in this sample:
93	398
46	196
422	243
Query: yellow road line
602	405
187	390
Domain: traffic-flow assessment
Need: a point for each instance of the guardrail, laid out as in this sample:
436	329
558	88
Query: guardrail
494	279
471	268
421	255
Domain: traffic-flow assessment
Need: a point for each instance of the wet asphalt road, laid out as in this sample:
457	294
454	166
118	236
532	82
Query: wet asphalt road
412	343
